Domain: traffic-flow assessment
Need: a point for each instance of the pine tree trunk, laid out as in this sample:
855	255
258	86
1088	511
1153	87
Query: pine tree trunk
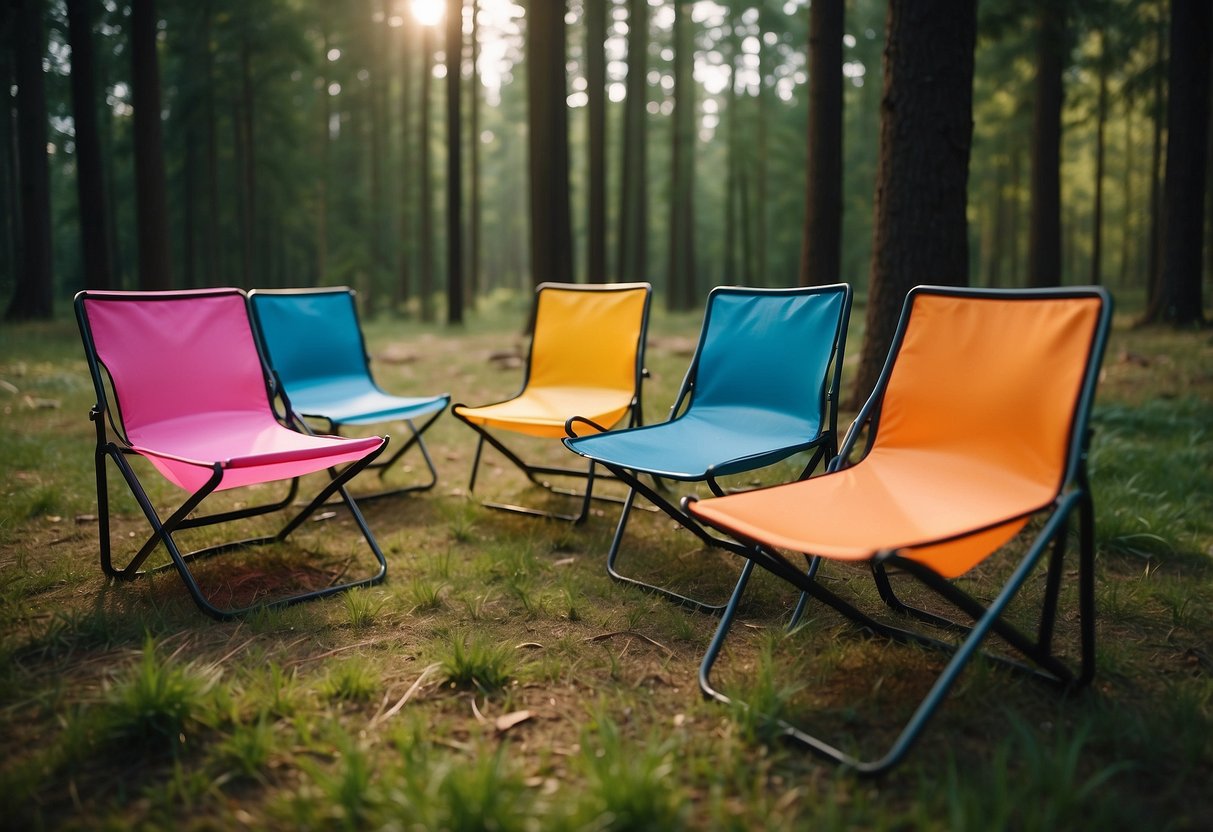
1044	220
821	248
595	74
34	283
680	293
1153	263
90	187
454	159
1187	144
926	131
1101	124
151	199
475	265
408	173
633	202
425	288
551	230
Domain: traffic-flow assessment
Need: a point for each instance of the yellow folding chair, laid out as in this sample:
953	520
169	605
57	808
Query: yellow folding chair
586	359
978	424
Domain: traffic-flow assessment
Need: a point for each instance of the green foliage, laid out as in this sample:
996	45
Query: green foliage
353	680
156	705
318	724
361	607
478	662
629	785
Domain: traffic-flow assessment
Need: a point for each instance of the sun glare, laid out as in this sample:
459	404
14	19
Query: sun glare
428	12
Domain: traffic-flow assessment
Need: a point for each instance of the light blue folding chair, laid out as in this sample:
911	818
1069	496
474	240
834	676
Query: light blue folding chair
762	386
315	347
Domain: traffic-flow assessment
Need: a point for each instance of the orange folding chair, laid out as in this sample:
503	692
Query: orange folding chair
977	425
586	359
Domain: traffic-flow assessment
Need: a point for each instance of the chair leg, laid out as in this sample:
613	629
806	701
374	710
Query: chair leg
384	466
613	555
986	620
722	632
163	533
531	472
637	486
812	565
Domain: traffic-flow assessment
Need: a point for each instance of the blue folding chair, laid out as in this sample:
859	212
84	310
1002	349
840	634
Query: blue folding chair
762	386
314	345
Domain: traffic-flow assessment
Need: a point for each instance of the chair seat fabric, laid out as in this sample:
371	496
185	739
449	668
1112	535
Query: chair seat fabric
251	446
902	500
702	441
354	401
542	411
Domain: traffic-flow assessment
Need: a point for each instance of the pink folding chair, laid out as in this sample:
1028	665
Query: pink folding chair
190	393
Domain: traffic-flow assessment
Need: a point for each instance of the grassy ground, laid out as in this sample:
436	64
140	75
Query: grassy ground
500	680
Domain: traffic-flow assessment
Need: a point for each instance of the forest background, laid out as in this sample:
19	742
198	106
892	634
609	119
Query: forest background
373	144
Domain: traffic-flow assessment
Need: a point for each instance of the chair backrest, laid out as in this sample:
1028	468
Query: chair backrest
310	335
1004	378
173	354
771	348
589	336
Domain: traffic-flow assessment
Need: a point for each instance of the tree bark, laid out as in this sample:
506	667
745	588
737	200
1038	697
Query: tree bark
245	127
425	287
10	201
926	131
1101	118
475	265
634	199
1187	142
548	141
1044	221
454	159
680	293
732	179
821	249
595	74
90	187
408	173
1154	249
34	290
151	199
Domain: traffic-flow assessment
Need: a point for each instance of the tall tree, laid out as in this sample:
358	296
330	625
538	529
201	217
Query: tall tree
731	178
475	270
821	249
33	296
325	146
89	181
548	140
244	124
633	192
151	200
454	159
595	78
1154	248
10	212
680	293
1101	121
1179	298
425	283
408	172
1044	219
926	129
